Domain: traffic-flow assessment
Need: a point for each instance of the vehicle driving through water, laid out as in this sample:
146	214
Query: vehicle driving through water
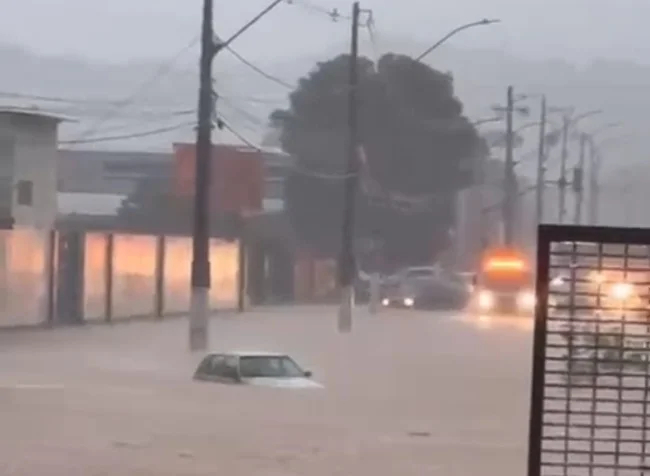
504	284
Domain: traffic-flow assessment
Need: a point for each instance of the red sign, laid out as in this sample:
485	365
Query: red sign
236	172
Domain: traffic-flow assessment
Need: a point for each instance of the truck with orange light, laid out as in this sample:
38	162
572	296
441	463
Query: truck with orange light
504	283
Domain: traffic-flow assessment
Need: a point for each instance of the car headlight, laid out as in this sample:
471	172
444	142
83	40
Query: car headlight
409	302
621	291
557	282
526	300
385	302
485	300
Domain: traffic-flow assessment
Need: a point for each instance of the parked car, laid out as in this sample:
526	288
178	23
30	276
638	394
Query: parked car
254	368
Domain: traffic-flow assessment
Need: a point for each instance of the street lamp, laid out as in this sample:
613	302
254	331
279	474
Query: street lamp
563	183
455	31
595	167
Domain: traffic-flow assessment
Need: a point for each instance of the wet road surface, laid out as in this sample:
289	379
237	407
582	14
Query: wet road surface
407	393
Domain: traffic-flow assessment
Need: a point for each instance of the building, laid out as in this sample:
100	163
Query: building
96	181
29	167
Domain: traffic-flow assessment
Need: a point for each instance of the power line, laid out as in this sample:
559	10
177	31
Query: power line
160	72
298	170
134	135
333	13
259	70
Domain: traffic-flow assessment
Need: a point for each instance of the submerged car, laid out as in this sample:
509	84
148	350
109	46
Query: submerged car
254	368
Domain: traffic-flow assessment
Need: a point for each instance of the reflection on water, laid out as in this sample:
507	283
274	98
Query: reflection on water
495	322
23	275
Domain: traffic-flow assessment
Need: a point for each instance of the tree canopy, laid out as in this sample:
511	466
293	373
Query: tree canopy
417	150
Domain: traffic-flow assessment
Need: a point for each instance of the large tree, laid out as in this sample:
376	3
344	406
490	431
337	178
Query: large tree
417	151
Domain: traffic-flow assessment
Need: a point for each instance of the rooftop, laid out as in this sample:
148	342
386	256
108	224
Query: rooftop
34	113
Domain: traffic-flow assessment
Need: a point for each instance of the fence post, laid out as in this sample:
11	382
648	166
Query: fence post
110	252
242	263
159	295
52	267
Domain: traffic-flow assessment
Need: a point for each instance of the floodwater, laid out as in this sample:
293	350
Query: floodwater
407	393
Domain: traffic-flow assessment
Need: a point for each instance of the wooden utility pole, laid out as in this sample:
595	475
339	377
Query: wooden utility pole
510	186
541	165
563	182
200	279
347	264
594	185
199	301
578	174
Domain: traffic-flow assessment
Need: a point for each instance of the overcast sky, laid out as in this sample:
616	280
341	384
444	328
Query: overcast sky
117	30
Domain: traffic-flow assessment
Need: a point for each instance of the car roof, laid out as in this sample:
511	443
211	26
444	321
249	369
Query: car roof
249	353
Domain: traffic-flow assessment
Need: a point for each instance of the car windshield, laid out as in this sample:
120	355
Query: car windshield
269	367
506	281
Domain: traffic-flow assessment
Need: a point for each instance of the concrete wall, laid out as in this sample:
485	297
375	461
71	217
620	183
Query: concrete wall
33	160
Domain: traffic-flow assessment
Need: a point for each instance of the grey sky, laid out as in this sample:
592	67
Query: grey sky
117	30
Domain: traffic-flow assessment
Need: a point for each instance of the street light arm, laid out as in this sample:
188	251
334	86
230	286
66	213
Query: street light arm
487	120
585	115
605	128
224	44
453	32
534	124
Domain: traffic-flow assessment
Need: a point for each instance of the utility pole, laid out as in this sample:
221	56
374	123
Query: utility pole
199	304
347	264
541	165
200	279
594	185
563	182
509	185
578	174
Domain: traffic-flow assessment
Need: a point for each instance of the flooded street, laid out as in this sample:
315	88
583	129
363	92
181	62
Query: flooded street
406	393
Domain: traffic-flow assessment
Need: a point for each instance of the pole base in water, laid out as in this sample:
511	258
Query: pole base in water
345	309
375	294
199	319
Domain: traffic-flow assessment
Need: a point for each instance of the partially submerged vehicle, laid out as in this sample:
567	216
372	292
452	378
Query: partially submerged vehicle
267	369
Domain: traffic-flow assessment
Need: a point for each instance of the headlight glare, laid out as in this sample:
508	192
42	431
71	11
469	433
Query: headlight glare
485	300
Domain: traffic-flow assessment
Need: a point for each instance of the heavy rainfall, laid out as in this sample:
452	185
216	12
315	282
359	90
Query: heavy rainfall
324	237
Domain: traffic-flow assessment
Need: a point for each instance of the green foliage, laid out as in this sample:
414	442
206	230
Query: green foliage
418	147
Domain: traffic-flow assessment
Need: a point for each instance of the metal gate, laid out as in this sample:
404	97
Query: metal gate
590	402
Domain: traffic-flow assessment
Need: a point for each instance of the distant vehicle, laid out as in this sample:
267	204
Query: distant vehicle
426	290
504	283
266	369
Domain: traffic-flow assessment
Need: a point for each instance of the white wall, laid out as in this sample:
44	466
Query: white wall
35	160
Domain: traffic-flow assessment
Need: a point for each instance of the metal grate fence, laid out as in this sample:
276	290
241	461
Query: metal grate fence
590	402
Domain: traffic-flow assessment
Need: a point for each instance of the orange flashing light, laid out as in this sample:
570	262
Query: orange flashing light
498	264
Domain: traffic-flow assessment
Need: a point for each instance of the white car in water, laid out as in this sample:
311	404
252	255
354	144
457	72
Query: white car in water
268	369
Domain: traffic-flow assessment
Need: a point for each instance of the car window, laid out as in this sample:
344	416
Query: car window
269	367
228	367
215	364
